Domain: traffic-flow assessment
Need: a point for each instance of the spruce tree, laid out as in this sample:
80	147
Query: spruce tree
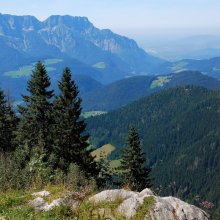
35	115
134	173
8	123
71	142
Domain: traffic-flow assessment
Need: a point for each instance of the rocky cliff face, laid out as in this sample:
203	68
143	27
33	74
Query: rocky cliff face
131	205
78	38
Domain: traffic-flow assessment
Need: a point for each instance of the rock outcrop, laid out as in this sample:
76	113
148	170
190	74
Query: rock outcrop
162	208
40	204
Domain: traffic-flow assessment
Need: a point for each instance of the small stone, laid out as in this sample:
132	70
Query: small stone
38	203
42	193
53	204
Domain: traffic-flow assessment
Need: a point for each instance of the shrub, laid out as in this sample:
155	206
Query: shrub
12	175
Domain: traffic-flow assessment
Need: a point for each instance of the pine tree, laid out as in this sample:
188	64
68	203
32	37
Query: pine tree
35	115
71	142
134	173
8	123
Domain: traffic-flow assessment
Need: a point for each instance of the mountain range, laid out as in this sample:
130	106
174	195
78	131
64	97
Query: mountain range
104	64
27	39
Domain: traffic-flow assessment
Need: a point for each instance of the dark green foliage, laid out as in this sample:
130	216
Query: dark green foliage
181	138
13	176
50	136
118	93
70	141
35	121
217	214
134	173
8	123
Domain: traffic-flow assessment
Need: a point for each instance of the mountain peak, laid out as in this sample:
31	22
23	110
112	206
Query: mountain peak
70	21
13	24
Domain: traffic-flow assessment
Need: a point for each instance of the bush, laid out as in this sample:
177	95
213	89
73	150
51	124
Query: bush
37	174
12	175
76	180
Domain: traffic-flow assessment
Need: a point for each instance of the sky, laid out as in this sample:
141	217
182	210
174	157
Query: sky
128	17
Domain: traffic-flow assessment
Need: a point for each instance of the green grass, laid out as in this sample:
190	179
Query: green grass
49	62
27	70
100	65
103	152
145	208
114	164
160	81
27	213
11	204
99	211
22	71
15	206
216	69
92	113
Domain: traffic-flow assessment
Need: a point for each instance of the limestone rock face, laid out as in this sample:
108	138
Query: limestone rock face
175	209
165	208
111	195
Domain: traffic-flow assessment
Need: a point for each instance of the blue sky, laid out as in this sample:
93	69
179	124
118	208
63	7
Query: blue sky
127	16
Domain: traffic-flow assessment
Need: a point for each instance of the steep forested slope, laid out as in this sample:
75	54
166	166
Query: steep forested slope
180	134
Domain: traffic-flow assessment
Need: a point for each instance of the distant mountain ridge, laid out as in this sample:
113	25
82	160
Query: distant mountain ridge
125	91
76	38
210	67
75	42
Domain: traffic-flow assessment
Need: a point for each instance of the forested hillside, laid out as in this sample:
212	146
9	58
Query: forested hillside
127	90
179	129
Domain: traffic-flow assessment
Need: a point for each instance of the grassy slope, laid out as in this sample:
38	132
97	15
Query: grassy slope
14	205
27	70
103	151
92	114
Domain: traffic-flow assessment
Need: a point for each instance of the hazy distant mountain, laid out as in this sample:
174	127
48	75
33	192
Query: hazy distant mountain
209	67
125	91
114	56
194	47
63	41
